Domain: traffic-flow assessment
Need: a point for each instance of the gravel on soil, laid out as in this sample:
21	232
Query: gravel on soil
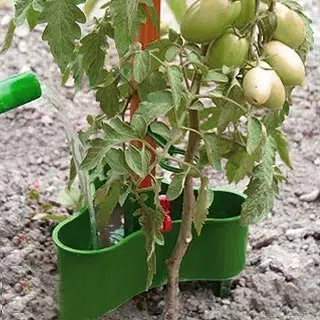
282	276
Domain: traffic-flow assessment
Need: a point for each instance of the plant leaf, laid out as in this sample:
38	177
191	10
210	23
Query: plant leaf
176	83
109	100
21	10
176	186
62	18
138	160
261	189
123	14
93	48
151	222
141	66
9	37
115	158
212	147
202	205
153	82
254	127
282	146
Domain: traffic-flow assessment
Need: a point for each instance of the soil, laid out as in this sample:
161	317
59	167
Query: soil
282	276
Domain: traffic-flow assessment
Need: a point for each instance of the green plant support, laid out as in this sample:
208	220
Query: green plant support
18	90
93	282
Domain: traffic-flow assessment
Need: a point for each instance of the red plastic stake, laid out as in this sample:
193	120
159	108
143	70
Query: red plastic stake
167	221
148	34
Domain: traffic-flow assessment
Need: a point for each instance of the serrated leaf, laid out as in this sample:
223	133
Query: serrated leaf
158	105
209	118
138	160
115	158
9	37
282	147
202	205
212	147
261	189
151	222
274	119
93	48
109	100
176	83
254	128
62	18
176	186
154	82
116	132
141	66
33	17
268	25
123	14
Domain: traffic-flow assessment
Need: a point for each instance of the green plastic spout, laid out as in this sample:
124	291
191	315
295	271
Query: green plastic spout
18	90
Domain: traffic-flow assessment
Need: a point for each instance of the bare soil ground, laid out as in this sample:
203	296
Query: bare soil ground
282	277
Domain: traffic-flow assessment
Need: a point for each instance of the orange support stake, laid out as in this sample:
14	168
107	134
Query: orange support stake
148	34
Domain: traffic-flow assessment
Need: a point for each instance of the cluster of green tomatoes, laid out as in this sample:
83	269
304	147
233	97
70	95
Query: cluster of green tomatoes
221	24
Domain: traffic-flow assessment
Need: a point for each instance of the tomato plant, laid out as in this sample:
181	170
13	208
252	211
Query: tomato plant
231	54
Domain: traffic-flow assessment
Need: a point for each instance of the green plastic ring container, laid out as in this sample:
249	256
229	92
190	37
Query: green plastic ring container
93	282
18	90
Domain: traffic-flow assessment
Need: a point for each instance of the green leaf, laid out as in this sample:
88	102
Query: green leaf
71	197
124	15
202	205
274	119
161	129
62	18
254	127
50	217
109	100
72	173
154	82
209	118
158	105
93	48
116	132
268	25
141	66
216	77
21	10
261	190
176	186
282	146
172	52
138	160
115	158
176	84
9	37
178	8
211	143
108	200
240	165
151	222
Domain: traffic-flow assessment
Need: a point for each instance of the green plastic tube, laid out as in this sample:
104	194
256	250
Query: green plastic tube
18	90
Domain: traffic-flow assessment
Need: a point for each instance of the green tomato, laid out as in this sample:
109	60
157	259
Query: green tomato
257	86
286	62
291	29
247	14
277	96
229	50
206	20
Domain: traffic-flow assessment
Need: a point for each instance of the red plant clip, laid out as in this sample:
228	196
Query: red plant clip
167	221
